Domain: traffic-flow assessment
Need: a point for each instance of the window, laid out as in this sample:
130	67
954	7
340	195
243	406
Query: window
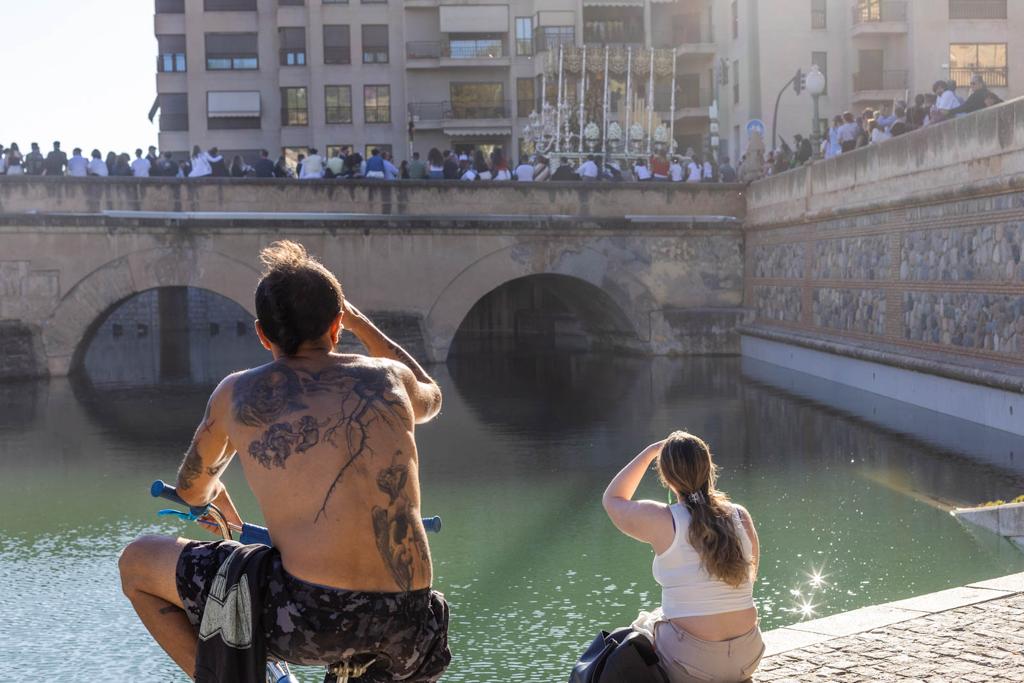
292	154
375	44
368	151
294	107
377	104
478	100
977	9
171	53
602	25
231	51
820	60
987	60
736	82
551	37
474	46
295	3
334	2
293	45
735	19
525	96
337	44
173	111
170	6
229	5
338	103
524	36
819	13
336	150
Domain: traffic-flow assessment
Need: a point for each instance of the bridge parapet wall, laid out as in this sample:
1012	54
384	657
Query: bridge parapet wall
907	253
403	198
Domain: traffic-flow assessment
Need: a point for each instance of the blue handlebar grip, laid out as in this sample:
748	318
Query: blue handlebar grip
161	489
432	524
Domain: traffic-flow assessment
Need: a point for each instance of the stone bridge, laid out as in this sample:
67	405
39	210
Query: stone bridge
655	269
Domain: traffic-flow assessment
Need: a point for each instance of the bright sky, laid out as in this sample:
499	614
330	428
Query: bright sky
79	71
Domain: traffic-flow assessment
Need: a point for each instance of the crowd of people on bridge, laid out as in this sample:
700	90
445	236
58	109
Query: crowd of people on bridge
851	131
468	165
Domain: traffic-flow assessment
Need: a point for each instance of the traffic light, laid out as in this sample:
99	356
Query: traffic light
799	81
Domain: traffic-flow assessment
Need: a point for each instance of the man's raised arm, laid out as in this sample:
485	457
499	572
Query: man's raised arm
207	456
423	390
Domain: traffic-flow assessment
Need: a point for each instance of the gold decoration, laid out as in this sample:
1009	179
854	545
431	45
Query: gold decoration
595	60
572	59
641	63
617	60
663	63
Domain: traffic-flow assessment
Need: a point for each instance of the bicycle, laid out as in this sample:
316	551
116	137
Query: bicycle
210	516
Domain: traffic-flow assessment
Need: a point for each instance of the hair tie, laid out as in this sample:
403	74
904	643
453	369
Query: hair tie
695	497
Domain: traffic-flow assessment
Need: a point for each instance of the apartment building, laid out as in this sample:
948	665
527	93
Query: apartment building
872	52
287	75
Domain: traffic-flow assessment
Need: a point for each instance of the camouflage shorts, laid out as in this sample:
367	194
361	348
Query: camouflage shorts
308	624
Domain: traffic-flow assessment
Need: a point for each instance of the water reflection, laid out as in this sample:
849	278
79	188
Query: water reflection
847	508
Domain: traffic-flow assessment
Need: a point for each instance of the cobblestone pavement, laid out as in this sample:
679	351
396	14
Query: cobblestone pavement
978	643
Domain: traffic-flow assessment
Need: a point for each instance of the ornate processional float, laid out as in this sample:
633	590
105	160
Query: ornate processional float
604	103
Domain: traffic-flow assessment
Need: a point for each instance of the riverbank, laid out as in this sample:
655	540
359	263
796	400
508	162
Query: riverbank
971	633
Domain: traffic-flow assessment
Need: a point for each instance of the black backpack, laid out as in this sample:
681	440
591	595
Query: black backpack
622	656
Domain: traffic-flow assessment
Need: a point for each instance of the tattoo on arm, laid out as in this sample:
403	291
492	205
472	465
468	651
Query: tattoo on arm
170	609
406	359
191	468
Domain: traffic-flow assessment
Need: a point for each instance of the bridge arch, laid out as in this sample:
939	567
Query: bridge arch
88	303
583	267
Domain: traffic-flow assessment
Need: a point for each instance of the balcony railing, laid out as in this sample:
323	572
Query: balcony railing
873	11
436	111
995	77
484	48
977	9
423	49
879	80
544	41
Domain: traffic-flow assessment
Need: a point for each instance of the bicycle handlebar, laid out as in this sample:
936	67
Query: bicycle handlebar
251	533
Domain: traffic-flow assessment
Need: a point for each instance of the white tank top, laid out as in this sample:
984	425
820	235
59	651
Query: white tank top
687	590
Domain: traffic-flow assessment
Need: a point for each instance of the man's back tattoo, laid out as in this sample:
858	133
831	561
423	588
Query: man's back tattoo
268	398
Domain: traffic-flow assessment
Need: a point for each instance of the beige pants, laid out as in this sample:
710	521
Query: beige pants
687	659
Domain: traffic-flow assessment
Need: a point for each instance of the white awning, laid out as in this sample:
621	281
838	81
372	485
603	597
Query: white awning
474	18
476	132
233	104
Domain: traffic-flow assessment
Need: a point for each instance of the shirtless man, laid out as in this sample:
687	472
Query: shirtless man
327	446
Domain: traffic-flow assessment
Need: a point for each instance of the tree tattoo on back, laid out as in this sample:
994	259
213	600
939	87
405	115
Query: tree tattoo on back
395	527
269	397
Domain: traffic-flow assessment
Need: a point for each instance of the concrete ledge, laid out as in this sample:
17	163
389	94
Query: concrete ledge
1005	520
1006	377
818	631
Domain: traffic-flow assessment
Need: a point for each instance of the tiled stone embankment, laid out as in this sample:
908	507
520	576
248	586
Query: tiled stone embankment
779	260
987	322
988	253
857	310
780	304
974	634
854	258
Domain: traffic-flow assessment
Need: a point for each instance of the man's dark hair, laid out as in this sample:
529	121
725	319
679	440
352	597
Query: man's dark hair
297	298
415	155
56	144
374	151
264	153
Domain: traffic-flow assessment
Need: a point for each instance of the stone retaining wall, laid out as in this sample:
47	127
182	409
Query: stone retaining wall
929	274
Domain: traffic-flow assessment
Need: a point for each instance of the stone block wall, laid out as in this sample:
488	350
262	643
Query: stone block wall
941	277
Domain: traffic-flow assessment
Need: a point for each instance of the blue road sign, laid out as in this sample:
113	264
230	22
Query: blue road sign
755	125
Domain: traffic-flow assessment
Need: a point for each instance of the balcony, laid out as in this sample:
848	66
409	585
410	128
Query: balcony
977	9
869	86
688	34
693	104
995	77
433	115
874	18
421	54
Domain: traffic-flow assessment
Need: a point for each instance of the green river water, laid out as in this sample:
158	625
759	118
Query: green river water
839	482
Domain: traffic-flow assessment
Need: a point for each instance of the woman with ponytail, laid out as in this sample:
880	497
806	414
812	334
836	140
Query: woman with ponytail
706	558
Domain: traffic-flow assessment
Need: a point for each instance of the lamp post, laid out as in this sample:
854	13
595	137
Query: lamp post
815	81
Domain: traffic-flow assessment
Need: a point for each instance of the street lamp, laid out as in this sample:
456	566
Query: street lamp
815	82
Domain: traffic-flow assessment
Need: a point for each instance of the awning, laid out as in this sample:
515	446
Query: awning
613	3
474	18
476	132
233	104
154	109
